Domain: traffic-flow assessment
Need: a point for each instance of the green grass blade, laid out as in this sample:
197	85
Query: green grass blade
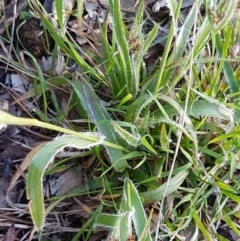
230	222
125	226
59	10
172	5
109	220
39	164
108	62
200	225
133	140
195	108
120	37
98	113
174	184
181	42
183	35
225	137
160	82
139	217
139	15
83	228
150	39
119	224
134	111
42	83
67	47
229	75
146	144
137	58
187	132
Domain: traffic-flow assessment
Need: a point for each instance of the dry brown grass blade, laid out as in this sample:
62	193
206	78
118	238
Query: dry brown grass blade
24	165
10	235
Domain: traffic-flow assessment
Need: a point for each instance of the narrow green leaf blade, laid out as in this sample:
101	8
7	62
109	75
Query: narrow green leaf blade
39	164
98	113
59	10
175	182
230	222
195	108
119	32
119	224
200	225
133	140
139	217
232	82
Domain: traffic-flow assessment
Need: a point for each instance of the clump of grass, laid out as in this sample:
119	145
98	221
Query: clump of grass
170	136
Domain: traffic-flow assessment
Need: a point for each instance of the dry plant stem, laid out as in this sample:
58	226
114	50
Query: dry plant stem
38	134
27	147
182	121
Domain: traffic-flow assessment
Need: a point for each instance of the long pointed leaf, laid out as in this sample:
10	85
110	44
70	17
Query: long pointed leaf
97	113
39	164
174	184
139	217
118	31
